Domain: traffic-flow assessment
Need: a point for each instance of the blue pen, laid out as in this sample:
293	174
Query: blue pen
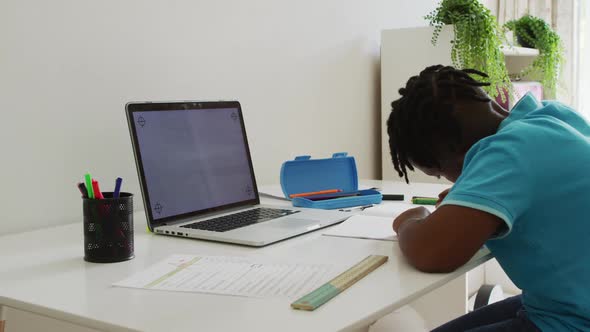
117	188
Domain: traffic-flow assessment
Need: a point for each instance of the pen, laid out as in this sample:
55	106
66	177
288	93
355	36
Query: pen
88	179
82	189
334	195
393	197
96	189
117	191
361	208
312	193
424	200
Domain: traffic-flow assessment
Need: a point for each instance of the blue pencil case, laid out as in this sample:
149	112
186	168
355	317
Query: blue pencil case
305	175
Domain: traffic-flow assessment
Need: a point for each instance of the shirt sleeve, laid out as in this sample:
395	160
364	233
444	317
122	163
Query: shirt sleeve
496	179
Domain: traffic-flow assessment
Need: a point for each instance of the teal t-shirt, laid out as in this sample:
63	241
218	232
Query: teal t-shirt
534	174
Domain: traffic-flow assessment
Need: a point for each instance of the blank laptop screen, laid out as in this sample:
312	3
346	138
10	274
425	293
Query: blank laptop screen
193	159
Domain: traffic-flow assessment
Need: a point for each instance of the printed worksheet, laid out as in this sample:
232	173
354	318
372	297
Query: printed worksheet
232	276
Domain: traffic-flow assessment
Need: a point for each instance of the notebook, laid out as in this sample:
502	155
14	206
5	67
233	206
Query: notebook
374	223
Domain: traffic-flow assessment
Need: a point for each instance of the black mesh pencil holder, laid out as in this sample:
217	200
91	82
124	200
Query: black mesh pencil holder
108	228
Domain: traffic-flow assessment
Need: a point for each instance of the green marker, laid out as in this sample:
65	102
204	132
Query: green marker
424	200
88	180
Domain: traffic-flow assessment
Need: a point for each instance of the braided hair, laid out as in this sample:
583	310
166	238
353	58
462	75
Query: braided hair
424	114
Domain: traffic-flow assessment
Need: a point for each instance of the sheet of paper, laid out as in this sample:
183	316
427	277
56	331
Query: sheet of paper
365	227
232	276
391	209
373	223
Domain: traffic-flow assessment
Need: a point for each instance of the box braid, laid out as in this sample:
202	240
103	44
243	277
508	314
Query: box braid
423	115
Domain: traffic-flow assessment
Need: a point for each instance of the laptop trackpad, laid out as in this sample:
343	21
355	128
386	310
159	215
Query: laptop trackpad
294	223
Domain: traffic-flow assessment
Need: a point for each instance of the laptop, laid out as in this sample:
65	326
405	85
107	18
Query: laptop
197	178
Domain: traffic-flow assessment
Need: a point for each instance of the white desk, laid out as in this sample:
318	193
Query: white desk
42	272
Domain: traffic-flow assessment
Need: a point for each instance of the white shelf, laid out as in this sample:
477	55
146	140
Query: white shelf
519	51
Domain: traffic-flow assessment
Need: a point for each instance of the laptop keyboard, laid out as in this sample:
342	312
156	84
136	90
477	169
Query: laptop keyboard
240	219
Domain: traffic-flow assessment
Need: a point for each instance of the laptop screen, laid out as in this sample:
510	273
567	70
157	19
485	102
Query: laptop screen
192	160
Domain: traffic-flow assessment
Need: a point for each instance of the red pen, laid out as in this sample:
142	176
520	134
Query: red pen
96	189
105	210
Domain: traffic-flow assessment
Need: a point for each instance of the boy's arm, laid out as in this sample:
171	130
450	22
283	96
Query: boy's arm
446	239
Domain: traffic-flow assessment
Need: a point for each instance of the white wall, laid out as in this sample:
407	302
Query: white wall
583	63
306	72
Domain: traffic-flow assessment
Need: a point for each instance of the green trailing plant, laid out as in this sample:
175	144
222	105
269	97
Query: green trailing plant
534	32
477	40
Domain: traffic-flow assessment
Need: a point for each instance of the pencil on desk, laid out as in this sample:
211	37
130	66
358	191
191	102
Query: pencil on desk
313	193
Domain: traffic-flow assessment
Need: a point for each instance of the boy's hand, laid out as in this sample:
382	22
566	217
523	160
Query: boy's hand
442	196
415	214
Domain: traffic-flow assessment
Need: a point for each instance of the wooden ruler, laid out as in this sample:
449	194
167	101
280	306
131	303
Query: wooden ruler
337	285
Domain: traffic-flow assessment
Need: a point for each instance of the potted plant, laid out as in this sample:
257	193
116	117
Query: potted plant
476	42
531	31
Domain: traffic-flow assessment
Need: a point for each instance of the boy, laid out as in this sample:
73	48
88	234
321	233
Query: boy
521	187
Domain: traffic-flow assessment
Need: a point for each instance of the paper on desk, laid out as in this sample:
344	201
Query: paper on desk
365	227
373	223
231	276
391	209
